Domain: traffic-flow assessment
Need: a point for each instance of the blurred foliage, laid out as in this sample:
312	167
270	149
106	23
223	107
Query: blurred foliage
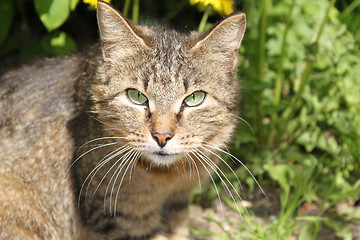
301	95
300	75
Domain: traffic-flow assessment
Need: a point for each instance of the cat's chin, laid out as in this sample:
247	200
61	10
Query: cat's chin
161	159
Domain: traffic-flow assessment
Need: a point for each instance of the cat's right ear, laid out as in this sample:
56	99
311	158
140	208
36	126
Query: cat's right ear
221	43
120	38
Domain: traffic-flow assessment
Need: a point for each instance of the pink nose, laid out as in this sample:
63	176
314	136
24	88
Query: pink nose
162	138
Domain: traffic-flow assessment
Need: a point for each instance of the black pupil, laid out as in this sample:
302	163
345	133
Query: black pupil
193	96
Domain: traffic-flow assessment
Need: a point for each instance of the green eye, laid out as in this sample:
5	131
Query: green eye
195	99
136	97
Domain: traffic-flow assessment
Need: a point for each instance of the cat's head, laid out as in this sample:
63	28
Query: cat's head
167	94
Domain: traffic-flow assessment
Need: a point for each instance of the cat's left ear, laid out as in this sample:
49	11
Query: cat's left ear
120	38
222	42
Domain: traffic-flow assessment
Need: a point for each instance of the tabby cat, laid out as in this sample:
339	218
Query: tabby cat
107	144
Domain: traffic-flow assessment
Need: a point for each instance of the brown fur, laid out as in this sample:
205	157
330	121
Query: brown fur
61	118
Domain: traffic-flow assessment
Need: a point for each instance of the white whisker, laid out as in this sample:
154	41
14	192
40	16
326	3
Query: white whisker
100	164
212	179
107	158
134	165
216	169
93	117
190	167
226	148
98	139
252	130
93	149
119	170
108	171
130	158
187	155
176	166
242	164
119	167
217	155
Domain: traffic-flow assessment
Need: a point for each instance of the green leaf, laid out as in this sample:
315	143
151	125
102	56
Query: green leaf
206	234
6	17
282	174
309	231
309	139
53	44
58	43
344	232
30	51
52	13
73	4
10	44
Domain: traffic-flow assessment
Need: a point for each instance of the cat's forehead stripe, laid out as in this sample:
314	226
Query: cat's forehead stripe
165	69
145	81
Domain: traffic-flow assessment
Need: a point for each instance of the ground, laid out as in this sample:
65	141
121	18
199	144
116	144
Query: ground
265	210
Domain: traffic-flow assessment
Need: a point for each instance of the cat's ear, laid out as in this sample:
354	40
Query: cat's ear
222	42
120	38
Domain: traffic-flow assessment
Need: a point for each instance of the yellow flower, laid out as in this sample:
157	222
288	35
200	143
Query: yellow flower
223	7
93	3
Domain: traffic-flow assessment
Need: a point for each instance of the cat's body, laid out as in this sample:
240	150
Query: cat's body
107	145
37	194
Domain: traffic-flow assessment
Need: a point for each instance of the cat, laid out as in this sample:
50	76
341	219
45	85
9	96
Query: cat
108	143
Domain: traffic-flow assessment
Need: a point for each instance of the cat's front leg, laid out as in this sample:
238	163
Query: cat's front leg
177	213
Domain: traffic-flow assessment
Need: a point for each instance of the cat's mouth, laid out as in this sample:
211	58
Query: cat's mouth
162	153
162	157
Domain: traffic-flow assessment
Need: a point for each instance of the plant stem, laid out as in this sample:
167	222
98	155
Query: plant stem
261	66
331	187
175	10
350	8
262	40
135	11
288	114
280	76
287	210
204	19
325	19
126	8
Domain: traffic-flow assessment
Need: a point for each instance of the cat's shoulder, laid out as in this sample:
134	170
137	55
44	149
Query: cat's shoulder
39	70
37	94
